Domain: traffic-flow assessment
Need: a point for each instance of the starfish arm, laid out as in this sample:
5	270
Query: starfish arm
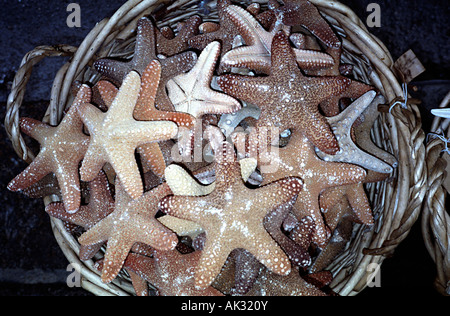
244	87
70	188
38	169
158	237
144	266
359	202
93	162
311	60
88	252
145	49
124	163
36	129
279	192
116	253
184	207
125	101
218	103
57	210
91	116
150	81
319	132
105	92
153	157
99	233
112	69
142	132
182	183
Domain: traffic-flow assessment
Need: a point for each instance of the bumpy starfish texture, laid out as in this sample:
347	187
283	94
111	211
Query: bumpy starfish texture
101	204
191	92
145	110
132	221
298	159
342	125
271	284
304	13
169	46
115	135
48	185
62	149
257	52
171	272
229	216
287	98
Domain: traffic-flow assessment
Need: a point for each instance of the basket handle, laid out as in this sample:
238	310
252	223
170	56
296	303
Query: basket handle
16	96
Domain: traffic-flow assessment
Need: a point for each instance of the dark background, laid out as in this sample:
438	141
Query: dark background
31	262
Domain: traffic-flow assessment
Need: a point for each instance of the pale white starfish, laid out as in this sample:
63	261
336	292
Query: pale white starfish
341	125
191	92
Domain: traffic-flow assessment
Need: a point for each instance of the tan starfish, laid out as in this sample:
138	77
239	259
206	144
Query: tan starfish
62	149
132	221
232	217
116	134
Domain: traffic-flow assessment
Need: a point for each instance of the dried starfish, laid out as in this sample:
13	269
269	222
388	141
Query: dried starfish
132	221
101	204
232	217
342	126
257	52
171	272
62	149
299	159
287	98
191	92
116	134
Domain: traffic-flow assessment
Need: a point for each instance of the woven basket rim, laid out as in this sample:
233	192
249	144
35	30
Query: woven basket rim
401	126
435	221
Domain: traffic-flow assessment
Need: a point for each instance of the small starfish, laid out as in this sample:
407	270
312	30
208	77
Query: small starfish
171	272
172	45
62	149
287	98
48	185
232	217
342	126
101	204
116	134
191	92
132	221
257	54
299	159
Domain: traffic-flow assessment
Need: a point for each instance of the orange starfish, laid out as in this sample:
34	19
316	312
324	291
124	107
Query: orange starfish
62	149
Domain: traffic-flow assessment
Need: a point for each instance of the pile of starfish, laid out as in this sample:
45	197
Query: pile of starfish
285	144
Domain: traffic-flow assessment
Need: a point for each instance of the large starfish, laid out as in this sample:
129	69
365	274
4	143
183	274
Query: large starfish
132	221
101	204
116	134
62	149
192	93
232	217
287	98
171	272
257	52
342	127
299	159
145	52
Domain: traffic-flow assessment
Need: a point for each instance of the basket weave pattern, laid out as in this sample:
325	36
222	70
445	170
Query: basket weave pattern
396	203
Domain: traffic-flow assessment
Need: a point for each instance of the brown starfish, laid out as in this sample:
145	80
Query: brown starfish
101	204
288	100
132	221
299	159
62	149
232	217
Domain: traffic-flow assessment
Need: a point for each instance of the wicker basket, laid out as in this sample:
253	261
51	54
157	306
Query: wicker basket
396	203
435	217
